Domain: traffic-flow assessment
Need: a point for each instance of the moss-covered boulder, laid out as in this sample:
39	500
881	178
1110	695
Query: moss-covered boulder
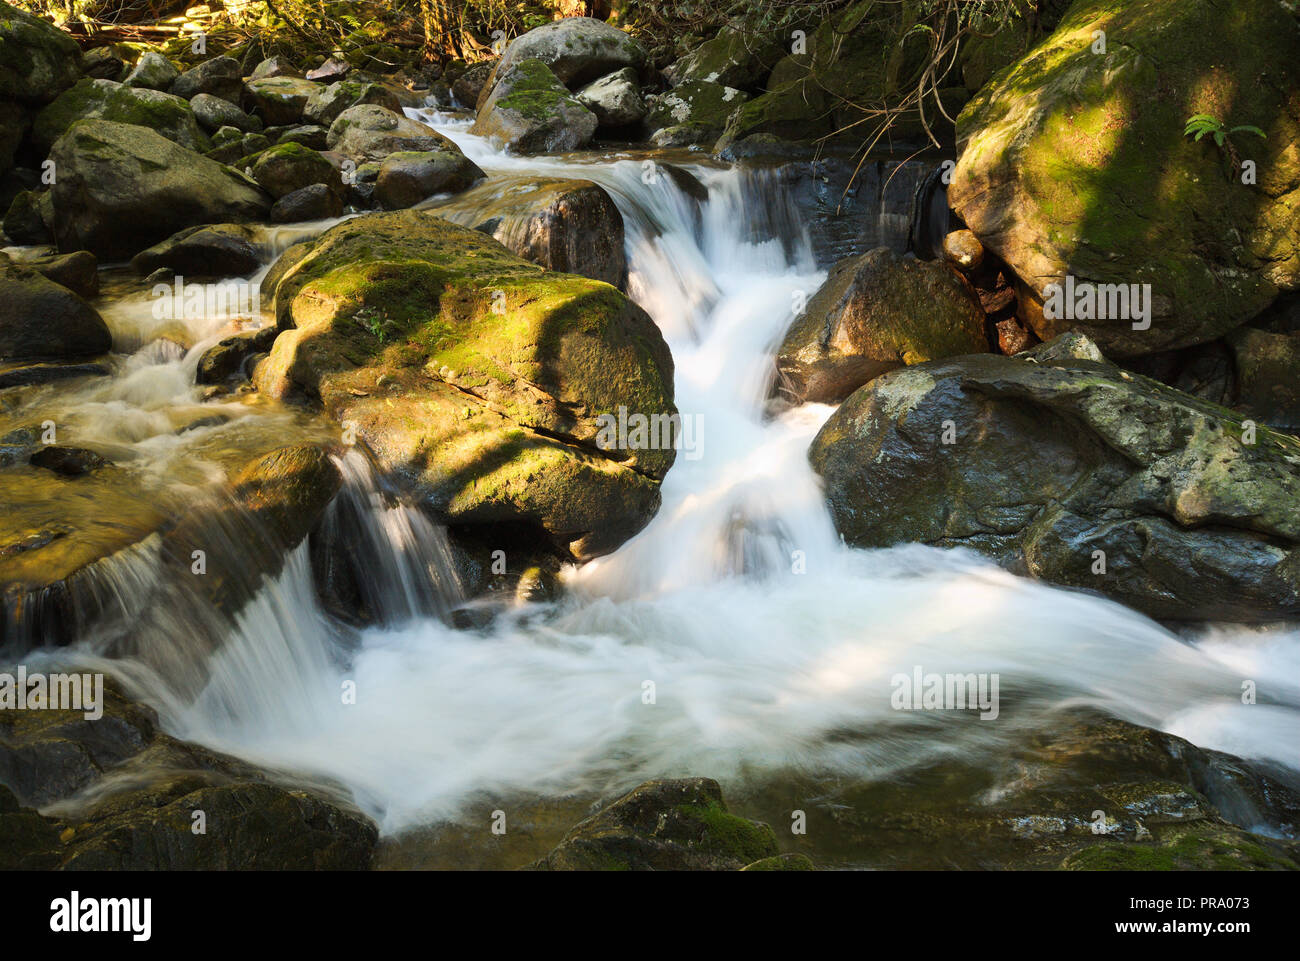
1074	162
37	60
369	132
477	377
280	100
530	111
577	50
875	313
43	319
87	99
152	71
287	167
410	176
569	226
326	103
701	106
670	825
122	188
1062	466
734	58
213	113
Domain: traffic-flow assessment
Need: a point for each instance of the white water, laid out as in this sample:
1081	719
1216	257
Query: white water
753	664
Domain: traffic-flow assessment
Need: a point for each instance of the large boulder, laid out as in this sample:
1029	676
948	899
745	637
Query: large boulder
734	58
37	60
873	314
576	49
287	167
43	319
569	226
1074	162
1062	466
410	176
530	111
369	132
162	113
469	85
693	112
615	99
123	188
213	113
669	825
152	71
477	377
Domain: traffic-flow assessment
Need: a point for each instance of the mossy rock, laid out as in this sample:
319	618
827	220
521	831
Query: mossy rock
87	99
734	58
1075	162
529	111
669	825
287	167
700	104
280	100
37	60
1200	847
475	375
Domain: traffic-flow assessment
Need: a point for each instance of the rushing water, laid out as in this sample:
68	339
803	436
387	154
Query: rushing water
769	644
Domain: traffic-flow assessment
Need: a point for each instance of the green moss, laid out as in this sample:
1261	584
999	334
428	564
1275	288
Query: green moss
728	835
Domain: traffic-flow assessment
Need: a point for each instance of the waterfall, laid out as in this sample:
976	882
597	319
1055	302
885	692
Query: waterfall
735	633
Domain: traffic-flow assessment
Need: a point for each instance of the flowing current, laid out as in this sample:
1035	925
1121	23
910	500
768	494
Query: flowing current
735	635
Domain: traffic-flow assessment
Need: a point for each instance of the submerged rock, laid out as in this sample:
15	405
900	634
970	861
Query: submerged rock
1074	163
1061	466
875	313
123	188
670	825
475	376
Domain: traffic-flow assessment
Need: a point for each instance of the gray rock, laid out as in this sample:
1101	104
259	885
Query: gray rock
38	61
213	113
152	71
220	76
42	319
530	112
219	250
313	202
407	177
370	133
615	99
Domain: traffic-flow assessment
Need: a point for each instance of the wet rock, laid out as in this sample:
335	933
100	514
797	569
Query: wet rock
219	250
221	76
408	177
287	167
78	272
875	313
123	188
27	375
1126	150
38	61
669	825
370	133
226	359
67	461
160	112
490	422
327	103
530	111
152	71
615	99
280	100
569	226
1064	467
1268	376
783	862
313	202
309	135
213	113
42	319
